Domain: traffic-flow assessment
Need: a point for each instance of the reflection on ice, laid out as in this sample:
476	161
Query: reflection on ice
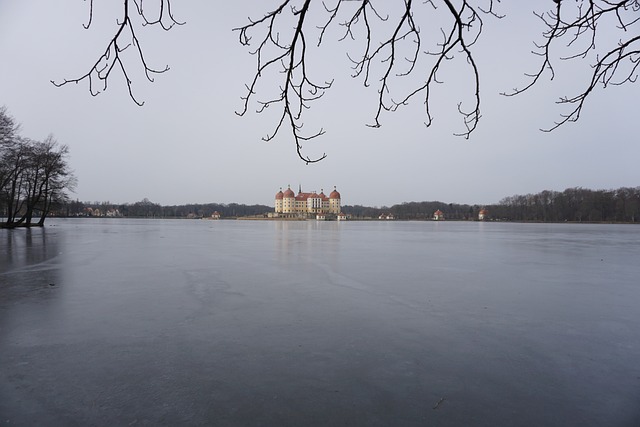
28	261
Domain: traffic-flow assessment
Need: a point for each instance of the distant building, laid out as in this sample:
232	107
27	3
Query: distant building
341	217
438	215
386	216
215	215
303	204
113	213
483	215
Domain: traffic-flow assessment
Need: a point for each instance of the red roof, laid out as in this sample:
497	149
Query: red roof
288	193
334	194
305	196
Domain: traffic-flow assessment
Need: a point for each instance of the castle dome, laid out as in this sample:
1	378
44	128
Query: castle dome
288	193
279	195
334	194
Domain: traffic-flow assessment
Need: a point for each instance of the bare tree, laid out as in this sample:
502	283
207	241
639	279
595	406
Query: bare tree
33	176
57	177
15	162
48	176
392	46
8	128
8	139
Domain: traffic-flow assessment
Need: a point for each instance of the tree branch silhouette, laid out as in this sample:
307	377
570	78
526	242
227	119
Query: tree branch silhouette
124	38
578	22
296	88
290	57
286	50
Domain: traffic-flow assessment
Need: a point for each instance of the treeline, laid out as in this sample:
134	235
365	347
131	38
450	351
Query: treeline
148	209
229	210
34	176
414	211
572	204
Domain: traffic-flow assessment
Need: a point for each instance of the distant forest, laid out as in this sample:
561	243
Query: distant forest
572	204
147	209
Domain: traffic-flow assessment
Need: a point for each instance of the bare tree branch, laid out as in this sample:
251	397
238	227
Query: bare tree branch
124	37
391	47
296	89
290	56
578	22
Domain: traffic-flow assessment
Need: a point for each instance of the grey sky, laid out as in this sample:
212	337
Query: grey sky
186	145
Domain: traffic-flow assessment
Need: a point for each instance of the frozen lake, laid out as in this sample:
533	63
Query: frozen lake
247	323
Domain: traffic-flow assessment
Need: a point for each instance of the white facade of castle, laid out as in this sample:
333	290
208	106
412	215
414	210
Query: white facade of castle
306	204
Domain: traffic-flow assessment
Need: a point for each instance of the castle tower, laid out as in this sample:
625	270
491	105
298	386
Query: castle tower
334	201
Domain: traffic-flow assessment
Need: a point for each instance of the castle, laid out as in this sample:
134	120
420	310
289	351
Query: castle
306	204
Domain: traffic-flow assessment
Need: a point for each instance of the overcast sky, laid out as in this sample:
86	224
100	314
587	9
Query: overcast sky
186	144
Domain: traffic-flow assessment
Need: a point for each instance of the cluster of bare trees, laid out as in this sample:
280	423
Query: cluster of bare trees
572	204
147	209
414	211
394	40
34	175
